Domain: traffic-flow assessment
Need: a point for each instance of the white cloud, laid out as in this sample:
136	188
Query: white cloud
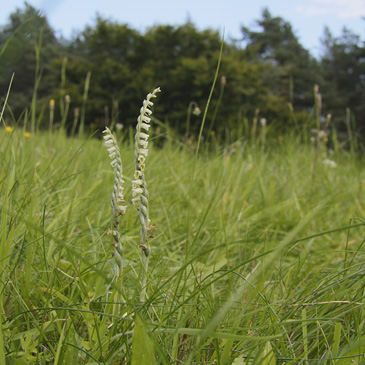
344	9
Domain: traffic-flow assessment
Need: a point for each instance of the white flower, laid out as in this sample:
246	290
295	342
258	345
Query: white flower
143	136
137	174
117	203
145	118
116	163
330	163
122	209
141	150
144	144
136	199
138	181
322	134
197	111
145	126
137	191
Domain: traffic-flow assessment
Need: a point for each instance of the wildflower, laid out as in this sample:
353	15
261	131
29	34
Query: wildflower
141	149
119	126
319	100
27	135
116	163
139	185
322	135
51	114
330	163
197	111
8	129
328	120
118	207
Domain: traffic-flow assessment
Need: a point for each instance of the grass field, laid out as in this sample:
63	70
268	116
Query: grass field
258	256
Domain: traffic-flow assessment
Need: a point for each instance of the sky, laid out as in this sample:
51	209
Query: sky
307	17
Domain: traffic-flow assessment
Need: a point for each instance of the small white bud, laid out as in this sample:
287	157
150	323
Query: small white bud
137	191
143	151
143	136
137	182
145	126
143	144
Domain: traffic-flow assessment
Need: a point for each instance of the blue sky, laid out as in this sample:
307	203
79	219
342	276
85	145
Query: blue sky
308	17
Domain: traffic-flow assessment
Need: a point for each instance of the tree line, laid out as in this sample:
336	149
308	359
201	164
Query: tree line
102	74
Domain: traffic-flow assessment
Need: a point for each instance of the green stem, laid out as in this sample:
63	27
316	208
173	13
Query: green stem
216	109
84	100
145	261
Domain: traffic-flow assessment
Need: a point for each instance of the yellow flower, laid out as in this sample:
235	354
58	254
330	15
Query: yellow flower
8	129
27	135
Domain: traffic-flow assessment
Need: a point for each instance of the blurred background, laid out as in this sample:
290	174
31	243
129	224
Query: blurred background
285	63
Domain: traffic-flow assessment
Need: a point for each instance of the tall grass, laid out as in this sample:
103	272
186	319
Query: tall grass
268	267
258	256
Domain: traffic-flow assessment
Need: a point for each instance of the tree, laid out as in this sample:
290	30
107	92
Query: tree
295	71
270	72
343	68
26	30
108	51
125	65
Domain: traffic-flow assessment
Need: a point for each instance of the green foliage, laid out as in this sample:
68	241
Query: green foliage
26	29
295	71
343	69
259	249
261	265
142	346
269	75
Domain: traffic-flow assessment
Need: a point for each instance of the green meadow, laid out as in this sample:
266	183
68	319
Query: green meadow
248	247
257	256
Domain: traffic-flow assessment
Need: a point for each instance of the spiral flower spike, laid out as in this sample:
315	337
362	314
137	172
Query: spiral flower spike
139	185
117	202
